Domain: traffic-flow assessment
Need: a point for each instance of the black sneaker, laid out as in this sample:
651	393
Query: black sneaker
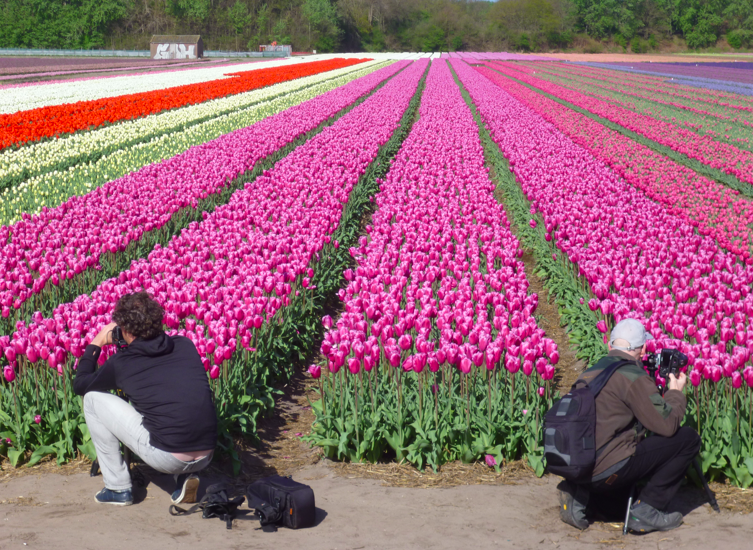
118	498
644	518
186	487
573	502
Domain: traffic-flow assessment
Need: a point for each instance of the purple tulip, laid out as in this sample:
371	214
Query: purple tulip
490	461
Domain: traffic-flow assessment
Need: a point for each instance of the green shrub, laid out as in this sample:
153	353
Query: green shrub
524	43
637	45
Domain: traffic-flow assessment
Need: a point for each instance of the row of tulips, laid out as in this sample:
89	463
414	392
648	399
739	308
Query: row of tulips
722	156
636	259
723	129
437	355
44	94
732	87
724	122
707	204
240	284
688	94
36	193
58	254
17	165
56	120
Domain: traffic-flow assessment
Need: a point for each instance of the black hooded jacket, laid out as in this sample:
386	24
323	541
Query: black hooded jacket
166	382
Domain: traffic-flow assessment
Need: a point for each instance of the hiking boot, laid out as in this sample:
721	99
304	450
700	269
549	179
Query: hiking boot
644	518
573	502
118	498
186	487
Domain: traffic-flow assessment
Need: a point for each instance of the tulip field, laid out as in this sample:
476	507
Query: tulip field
367	219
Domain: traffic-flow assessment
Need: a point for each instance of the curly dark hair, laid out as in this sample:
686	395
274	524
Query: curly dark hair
139	314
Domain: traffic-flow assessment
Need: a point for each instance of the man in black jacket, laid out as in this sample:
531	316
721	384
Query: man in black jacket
170	421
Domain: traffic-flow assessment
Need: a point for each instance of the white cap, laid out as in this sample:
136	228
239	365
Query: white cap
632	331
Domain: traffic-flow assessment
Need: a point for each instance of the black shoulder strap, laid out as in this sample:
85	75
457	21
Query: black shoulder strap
598	383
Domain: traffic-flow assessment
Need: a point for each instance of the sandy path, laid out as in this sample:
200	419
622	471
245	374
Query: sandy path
59	512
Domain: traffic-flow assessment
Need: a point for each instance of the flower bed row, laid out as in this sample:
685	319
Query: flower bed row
229	282
711	206
45	122
17	165
32	195
700	83
734	129
718	155
45	94
638	259
728	106
438	323
68	244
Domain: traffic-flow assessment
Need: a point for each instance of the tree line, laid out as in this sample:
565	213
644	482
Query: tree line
379	25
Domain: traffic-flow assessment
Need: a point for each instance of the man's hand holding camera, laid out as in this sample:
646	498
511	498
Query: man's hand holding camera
105	336
677	382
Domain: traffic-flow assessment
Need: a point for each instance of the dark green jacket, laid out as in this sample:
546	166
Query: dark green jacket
629	405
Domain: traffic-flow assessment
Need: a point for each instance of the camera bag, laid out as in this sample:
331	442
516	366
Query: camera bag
570	427
280	501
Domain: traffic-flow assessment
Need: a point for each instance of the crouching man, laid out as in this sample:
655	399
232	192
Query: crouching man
627	406
170	422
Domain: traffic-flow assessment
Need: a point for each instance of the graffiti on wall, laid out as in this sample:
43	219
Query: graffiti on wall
175	51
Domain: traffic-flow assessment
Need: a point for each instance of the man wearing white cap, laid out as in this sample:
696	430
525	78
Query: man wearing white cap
628	406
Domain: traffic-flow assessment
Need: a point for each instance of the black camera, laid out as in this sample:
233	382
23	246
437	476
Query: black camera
669	361
117	339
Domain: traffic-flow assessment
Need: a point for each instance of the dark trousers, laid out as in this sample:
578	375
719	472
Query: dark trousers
663	461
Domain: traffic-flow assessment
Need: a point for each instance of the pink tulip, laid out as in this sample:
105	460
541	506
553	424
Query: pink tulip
315	371
465	365
38	419
354	365
9	373
214	372
490	461
695	378
404	342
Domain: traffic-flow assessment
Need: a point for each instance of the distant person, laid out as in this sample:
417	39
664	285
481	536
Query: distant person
170	422
627	406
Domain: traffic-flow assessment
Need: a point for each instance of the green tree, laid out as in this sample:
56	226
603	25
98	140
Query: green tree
324	31
239	18
434	40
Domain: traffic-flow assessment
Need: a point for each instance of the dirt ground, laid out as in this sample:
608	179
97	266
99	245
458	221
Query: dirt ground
360	506
55	511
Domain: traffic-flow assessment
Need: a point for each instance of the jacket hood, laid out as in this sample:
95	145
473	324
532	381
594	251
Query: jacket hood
161	344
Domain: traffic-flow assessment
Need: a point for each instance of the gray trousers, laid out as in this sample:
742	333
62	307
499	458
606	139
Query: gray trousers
111	420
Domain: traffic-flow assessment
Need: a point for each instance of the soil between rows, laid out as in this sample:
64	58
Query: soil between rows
360	505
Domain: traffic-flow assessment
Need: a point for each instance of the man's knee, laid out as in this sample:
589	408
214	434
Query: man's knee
89	402
690	440
94	398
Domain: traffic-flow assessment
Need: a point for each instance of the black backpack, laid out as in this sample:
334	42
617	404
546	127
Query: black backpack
570	428
280	501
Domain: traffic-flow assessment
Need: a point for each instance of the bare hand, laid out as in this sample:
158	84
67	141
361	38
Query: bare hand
677	383
105	336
